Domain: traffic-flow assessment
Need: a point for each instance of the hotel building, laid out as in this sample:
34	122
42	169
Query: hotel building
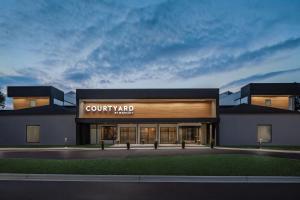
43	115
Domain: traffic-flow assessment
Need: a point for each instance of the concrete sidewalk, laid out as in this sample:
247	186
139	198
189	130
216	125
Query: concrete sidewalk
98	148
256	149
91	153
175	147
145	178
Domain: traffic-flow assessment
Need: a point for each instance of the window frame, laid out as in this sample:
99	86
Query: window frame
169	132
127	132
34	103
39	133
271	138
268	102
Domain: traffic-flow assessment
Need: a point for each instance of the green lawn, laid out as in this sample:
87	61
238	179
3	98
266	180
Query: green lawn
205	165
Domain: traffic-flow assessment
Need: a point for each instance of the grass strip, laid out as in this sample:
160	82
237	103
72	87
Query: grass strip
202	165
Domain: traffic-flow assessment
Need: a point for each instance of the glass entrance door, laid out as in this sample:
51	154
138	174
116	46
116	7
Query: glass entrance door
168	135
147	135
190	134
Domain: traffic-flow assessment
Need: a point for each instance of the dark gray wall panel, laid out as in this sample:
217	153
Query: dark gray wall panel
241	129
53	129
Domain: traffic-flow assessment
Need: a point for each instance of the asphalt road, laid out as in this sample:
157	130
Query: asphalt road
26	190
121	153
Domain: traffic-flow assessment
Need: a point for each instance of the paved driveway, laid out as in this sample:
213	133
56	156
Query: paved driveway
101	190
121	153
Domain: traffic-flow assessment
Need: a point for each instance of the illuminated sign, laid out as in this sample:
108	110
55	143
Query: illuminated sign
115	109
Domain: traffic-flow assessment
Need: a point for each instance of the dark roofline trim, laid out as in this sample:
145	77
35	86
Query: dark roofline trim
173	93
270	89
35	91
32	114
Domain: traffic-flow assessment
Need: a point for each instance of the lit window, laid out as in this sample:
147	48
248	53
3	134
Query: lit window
33	134
268	102
32	103
264	133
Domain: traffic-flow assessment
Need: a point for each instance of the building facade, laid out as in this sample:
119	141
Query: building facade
44	115
143	116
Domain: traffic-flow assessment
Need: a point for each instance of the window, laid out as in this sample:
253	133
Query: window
168	135
264	133
58	102
189	134
32	103
33	134
147	135
244	100
109	132
127	134
268	102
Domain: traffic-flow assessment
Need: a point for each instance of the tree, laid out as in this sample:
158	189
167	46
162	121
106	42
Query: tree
2	100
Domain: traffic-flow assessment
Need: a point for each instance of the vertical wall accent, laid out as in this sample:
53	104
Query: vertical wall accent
157	132
158	139
203	133
291	102
118	133
138	134
177	132
210	133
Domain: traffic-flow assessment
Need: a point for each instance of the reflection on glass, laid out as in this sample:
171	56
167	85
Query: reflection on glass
109	132
190	134
168	135
148	135
128	134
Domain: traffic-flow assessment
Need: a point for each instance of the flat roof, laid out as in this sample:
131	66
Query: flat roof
195	93
35	91
270	89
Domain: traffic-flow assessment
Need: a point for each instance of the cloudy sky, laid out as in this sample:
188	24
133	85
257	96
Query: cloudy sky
149	44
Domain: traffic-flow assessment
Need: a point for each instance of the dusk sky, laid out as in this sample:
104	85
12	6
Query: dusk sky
149	44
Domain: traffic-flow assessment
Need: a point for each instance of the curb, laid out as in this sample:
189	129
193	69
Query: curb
93	149
145	178
259	150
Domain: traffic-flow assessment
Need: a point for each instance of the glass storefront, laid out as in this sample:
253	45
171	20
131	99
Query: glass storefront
147	135
143	134
127	134
168	135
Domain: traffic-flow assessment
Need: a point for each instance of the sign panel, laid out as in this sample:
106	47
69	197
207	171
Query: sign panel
177	109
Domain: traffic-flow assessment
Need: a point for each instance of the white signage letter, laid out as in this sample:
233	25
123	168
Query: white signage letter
93	108
131	108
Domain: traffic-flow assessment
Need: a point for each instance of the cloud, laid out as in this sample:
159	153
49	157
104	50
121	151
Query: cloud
258	78
229	62
144	43
17	80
